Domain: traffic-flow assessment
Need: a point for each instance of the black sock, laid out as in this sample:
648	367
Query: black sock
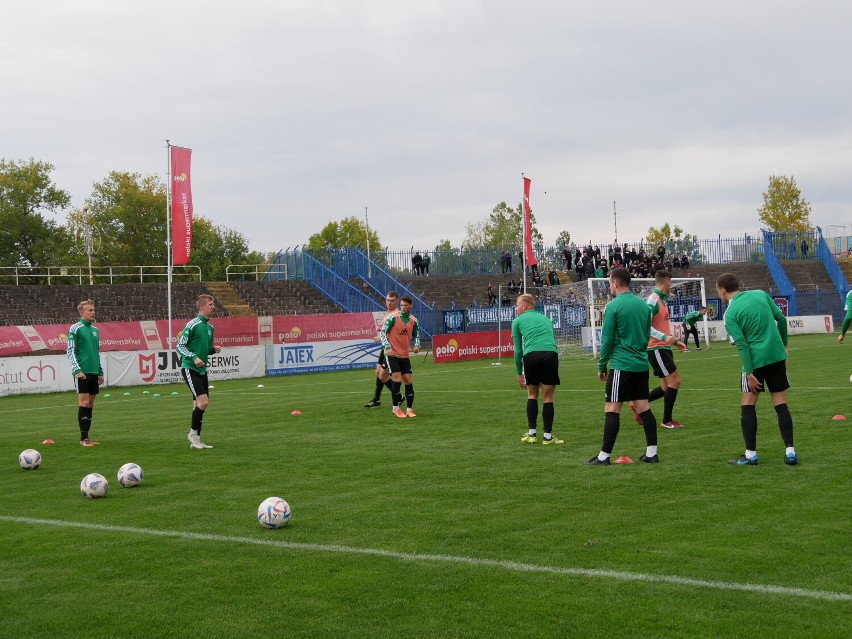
379	386
84	420
532	413
197	417
657	393
547	417
612	422
389	385
409	395
397	396
668	403
649	425
748	421
785	423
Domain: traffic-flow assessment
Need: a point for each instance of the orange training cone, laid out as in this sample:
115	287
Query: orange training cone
48	441
624	459
296	412
837	418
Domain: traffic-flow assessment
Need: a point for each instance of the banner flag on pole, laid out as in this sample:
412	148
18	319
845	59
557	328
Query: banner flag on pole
181	206
529	256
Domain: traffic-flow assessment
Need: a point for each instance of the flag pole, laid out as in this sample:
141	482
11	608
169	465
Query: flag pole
169	243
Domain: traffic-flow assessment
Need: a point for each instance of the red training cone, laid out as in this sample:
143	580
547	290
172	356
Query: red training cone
48	441
624	459
296	412
837	418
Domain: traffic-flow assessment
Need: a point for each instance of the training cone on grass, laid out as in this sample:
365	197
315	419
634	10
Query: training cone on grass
624	459
296	412
837	418
48	441
260	385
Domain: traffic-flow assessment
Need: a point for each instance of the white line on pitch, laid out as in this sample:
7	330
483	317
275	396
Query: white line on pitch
618	575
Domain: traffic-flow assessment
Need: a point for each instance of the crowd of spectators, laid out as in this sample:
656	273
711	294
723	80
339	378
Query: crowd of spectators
590	262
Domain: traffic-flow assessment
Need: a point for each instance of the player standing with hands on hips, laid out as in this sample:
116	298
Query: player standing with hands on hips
537	366
758	329
195	345
84	354
399	329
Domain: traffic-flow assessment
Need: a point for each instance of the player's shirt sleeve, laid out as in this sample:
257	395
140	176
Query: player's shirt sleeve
608	337
183	344
386	327
519	346
735	334
212	349
415	333
72	351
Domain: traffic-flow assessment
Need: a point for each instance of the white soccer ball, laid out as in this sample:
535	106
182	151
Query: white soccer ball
850	380
30	459
130	475
273	512
94	485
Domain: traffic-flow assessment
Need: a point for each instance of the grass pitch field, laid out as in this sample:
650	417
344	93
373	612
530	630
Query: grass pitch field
440	526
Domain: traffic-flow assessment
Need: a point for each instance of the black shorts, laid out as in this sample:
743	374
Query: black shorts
383	361
626	386
88	384
662	361
689	330
400	365
541	367
772	376
198	383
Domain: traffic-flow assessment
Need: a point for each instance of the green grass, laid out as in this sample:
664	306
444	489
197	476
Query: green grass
455	482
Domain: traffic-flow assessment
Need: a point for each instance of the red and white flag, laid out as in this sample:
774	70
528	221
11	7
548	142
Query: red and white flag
529	256
181	206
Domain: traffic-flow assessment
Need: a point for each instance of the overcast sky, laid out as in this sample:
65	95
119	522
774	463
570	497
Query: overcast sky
301	112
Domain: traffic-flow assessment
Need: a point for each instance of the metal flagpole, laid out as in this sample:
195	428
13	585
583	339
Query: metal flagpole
523	234
169	243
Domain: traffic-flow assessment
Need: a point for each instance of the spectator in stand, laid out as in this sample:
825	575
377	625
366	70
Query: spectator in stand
504	266
417	263
588	269
552	278
513	286
792	250
804	249
426	262
661	253
601	270
684	261
566	258
492	296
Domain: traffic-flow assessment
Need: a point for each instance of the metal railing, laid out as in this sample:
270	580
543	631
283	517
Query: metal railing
59	275
256	272
829	260
337	289
785	286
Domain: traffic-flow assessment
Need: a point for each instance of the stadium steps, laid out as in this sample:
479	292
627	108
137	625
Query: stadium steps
808	275
230	298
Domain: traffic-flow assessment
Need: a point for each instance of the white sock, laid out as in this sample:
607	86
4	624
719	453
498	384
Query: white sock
532	432
650	451
604	456
751	454
790	450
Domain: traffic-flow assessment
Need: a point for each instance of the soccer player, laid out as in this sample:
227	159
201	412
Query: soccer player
624	351
382	376
689	328
758	329
847	320
84	354
399	329
537	366
195	345
660	353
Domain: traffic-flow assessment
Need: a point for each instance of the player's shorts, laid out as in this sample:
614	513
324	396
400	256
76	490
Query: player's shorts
196	381
400	365
687	329
383	361
662	361
88	384
626	386
541	367
772	376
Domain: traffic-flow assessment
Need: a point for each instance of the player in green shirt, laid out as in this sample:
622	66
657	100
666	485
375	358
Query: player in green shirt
537	366
758	328
195	346
624	350
848	319
85	358
689	322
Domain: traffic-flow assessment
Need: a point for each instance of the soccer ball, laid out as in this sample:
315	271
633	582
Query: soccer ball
94	485
273	512
130	475
29	459
850	380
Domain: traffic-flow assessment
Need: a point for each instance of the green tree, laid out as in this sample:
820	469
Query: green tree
350	232
675	241
502	230
27	192
784	209
563	240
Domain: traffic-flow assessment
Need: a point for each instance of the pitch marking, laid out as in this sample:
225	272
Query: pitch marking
618	575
